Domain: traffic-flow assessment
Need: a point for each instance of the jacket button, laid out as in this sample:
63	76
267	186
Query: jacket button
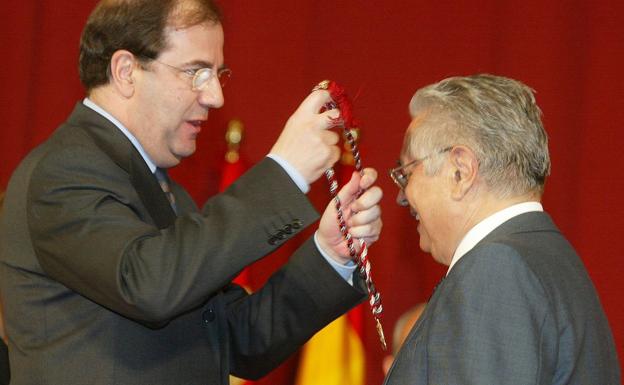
208	316
281	235
272	241
288	229
297	224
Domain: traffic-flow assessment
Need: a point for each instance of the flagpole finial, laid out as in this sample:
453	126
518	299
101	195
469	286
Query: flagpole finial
233	138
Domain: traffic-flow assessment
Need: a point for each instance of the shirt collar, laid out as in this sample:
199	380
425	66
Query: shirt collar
135	142
486	226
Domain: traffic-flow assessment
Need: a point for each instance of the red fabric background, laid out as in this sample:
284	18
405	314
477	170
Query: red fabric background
569	51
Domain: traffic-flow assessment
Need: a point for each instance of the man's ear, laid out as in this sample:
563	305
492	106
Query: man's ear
122	68
464	168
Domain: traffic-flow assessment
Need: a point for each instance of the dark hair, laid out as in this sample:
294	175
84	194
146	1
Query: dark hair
137	26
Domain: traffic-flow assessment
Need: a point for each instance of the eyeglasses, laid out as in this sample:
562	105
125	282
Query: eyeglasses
202	76
398	175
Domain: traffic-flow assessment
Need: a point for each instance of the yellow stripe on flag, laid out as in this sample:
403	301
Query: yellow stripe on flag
334	356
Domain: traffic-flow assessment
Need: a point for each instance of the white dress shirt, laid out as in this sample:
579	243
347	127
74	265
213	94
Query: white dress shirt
486	226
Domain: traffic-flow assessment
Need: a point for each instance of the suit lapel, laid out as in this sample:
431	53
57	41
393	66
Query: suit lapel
114	143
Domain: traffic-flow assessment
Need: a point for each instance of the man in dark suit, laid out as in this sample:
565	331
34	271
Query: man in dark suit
516	305
111	274
4	352
5	373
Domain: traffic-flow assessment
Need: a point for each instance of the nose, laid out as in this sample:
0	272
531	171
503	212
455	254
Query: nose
401	199
211	95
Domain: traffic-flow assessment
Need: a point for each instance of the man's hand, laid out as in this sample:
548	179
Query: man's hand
306	143
362	215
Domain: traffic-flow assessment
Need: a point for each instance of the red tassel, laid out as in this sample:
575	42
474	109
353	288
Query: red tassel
343	103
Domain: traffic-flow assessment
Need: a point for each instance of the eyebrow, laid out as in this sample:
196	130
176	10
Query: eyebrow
203	64
401	163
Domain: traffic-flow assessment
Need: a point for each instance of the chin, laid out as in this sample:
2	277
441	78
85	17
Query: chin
425	245
439	259
169	163
424	239
184	152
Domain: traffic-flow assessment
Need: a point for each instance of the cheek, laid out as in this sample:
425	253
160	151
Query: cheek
419	199
411	194
173	112
169	98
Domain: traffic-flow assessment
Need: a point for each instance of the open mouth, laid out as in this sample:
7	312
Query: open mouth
195	123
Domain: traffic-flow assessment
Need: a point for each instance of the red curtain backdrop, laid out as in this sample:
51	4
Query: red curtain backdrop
569	51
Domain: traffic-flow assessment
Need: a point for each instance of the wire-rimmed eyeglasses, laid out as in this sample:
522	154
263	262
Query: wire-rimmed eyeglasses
400	177
202	76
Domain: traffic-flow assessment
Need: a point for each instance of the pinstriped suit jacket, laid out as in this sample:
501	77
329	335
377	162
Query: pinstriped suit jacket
103	284
519	308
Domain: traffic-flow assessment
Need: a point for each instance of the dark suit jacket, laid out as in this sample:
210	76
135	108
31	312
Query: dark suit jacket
519	308
5	374
103	284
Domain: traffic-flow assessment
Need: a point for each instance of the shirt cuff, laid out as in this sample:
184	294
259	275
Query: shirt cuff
345	271
292	172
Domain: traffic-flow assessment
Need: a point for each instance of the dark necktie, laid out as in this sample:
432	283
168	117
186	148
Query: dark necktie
163	181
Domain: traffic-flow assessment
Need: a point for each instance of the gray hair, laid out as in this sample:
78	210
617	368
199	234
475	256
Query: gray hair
495	117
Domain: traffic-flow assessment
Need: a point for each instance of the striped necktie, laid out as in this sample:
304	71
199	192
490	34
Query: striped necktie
163	181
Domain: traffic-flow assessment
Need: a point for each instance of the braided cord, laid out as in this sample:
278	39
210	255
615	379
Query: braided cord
341	102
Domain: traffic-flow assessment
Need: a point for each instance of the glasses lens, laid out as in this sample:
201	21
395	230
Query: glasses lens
401	179
202	77
224	75
398	177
